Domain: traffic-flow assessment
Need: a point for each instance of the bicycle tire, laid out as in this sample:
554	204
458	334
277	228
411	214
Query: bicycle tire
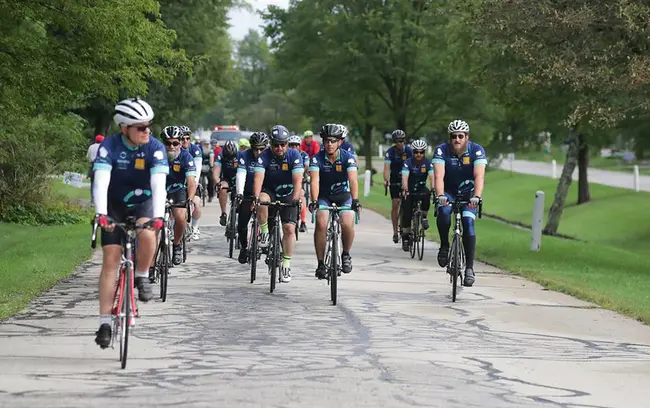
273	260
232	221
421	240
127	307
253	248
334	272
454	266
164	275
412	237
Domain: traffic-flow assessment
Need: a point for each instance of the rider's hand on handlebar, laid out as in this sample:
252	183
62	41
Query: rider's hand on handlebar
312	206
356	205
474	202
104	222
442	200
156	224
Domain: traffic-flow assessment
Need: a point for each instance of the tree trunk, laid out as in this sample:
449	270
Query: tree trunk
583	164
366	134
555	213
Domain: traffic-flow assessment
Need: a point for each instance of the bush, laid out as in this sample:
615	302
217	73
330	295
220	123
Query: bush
54	213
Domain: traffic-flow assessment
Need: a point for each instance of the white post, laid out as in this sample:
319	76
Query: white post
429	150
538	219
554	162
366	184
511	158
381	151
637	183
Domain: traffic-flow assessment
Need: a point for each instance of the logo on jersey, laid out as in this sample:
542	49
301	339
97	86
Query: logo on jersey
439	152
139	164
423	169
177	167
403	157
465	159
339	167
158	154
479	153
103	152
242	161
285	166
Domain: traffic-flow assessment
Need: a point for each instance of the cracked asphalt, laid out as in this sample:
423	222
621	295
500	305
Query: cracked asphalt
394	340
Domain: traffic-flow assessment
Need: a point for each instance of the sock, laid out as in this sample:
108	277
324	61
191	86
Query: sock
105	319
286	261
264	228
195	222
469	243
321	263
144	274
303	213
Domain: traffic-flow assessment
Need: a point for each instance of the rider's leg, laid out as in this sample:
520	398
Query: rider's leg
211	183
263	218
223	198
443	222
469	243
288	217
407	215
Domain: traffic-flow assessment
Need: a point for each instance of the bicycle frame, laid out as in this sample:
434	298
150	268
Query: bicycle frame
274	254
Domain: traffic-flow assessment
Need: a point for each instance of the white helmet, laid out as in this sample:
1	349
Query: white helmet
345	131
131	111
458	126
205	139
419	145
197	138
294	139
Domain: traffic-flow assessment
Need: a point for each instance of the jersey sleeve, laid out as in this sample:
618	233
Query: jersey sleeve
241	168
315	164
103	159
430	168
297	165
260	164
405	167
188	166
387	157
217	159
159	163
438	156
351	164
480	158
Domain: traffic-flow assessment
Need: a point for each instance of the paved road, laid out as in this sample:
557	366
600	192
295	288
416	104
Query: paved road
606	177
394	340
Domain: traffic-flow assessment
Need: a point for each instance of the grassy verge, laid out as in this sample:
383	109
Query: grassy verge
597	162
70	192
608	275
35	258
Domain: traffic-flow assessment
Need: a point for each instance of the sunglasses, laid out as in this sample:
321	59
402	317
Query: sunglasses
185	138
258	149
276	145
459	136
399	141
141	128
330	141
295	146
174	143
418	152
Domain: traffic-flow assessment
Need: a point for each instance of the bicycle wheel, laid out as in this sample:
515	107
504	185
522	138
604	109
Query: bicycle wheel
454	268
413	235
164	274
420	238
334	270
126	320
252	248
273	260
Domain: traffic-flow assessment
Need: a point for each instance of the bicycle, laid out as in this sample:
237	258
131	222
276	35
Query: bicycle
399	208
274	254
231	223
333	246
125	307
417	236
203	186
254	252
456	263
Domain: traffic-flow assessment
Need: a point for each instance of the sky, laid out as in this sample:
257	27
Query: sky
241	21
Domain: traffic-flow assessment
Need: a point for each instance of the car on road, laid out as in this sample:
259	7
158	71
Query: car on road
221	134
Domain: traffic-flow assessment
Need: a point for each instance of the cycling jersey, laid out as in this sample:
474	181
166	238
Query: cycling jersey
459	170
196	152
396	160
130	167
334	177
179	170
228	168
305	158
418	173
206	157
347	146
279	171
247	165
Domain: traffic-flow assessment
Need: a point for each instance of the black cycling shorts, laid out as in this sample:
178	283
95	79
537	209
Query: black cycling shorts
119	211
288	215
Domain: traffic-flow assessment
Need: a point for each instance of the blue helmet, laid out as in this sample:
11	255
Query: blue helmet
279	134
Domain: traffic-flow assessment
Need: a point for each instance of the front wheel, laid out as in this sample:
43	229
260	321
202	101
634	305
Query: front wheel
334	270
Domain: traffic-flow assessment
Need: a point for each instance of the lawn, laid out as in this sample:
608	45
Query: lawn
35	258
597	162
610	270
70	192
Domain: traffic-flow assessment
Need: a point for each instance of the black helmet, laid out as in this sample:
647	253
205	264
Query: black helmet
259	139
332	130
398	134
279	134
170	132
229	149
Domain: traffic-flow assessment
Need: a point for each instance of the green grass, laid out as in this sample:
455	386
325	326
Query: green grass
34	259
602	271
597	162
70	192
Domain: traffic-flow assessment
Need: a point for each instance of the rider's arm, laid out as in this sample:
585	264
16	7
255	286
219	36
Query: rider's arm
387	168
198	163
439	178
158	183
296	177
431	178
405	177
240	180
479	179
100	190
354	183
191	186
211	159
314	184
258	176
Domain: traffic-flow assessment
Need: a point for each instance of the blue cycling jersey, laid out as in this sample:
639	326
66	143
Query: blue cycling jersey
279	171
459	170
179	170
305	158
130	167
228	167
396	160
418	173
334	177
247	165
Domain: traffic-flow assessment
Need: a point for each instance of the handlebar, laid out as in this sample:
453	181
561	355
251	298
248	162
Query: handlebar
335	208
457	204
127	226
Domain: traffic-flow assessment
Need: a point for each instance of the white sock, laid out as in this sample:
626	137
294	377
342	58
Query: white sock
195	223
105	319
144	274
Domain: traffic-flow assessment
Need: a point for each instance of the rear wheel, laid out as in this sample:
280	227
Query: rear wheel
334	270
454	266
126	309
252	249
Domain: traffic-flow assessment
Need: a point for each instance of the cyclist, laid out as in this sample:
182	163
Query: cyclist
343	143
197	154
181	183
225	170
208	166
334	181
244	144
278	177
459	168
415	173
244	187
129	180
309	145
294	143
396	155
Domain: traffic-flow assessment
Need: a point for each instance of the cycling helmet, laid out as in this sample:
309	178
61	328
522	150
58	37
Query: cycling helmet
458	126
197	138
398	134
259	139
308	133
295	139
131	111
345	131
243	142
185	130
229	149
279	134
170	132
419	145
332	130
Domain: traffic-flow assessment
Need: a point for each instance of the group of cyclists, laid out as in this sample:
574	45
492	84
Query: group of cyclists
135	174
